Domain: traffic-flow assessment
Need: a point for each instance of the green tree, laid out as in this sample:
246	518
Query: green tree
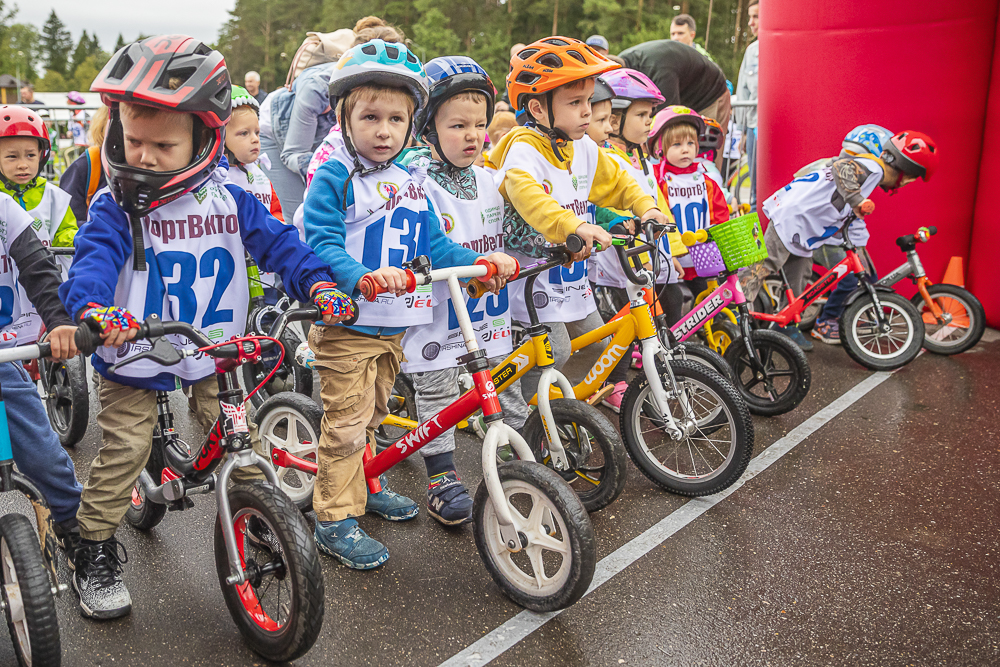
56	45
52	82
88	70
119	43
432	33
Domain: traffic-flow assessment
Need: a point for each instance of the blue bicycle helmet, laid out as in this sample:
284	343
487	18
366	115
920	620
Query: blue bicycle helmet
866	139
448	76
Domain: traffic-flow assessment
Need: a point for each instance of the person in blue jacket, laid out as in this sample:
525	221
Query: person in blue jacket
167	238
365	216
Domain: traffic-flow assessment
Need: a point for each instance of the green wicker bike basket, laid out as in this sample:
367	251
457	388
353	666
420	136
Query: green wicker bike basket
740	241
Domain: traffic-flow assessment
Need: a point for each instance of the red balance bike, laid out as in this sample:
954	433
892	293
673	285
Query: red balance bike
879	328
532	531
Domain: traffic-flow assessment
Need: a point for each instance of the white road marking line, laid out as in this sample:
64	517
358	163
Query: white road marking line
494	644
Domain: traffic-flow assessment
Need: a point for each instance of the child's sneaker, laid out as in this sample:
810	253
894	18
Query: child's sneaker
97	579
614	399
478	424
827	331
345	541
793	332
448	500
390	505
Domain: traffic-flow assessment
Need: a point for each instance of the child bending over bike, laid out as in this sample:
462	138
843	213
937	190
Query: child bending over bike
31	278
550	172
167	238
693	197
810	211
366	216
453	123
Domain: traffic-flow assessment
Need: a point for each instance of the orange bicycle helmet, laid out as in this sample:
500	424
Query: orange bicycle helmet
543	66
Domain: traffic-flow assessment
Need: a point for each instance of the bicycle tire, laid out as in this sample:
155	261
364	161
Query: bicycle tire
289	377
300	567
34	628
141	514
858	320
959	302
774	401
402	403
637	405
570	520
703	354
725	332
596	486
275	419
67	397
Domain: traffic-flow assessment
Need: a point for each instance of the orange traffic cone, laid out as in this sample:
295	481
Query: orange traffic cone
955	273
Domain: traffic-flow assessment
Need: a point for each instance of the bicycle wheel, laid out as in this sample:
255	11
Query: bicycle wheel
724	333
67	397
718	436
279	609
808	316
292	422
594	450
558	551
702	354
966	323
402	403
787	375
29	605
289	377
882	350
141	514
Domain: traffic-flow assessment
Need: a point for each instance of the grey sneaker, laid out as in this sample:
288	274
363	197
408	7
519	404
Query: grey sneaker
98	580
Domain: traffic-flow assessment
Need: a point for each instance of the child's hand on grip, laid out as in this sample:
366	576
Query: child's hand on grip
506	267
390	278
657	216
867	207
590	234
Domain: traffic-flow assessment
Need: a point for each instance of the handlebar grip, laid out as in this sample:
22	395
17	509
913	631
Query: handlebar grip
574	244
476	289
491	268
370	288
867	206
932	230
87	337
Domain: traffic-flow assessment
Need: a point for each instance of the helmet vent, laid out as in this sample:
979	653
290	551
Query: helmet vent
410	57
528	78
368	50
392	51
556	42
527	53
550	60
576	54
6	118
122	67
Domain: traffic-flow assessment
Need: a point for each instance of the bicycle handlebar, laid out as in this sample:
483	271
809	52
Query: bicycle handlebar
482	271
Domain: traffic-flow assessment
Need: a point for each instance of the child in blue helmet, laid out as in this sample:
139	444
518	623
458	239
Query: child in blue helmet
453	125
365	216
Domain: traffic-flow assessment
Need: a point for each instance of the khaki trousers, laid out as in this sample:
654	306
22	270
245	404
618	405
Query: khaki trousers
356	375
127	418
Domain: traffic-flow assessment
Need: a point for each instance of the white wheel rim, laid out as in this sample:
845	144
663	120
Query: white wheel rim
700	452
879	345
15	604
537	583
289	429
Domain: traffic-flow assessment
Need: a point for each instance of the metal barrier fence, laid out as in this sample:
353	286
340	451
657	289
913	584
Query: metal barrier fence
58	117
748	158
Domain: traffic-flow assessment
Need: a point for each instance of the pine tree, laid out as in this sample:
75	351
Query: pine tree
57	42
120	44
82	51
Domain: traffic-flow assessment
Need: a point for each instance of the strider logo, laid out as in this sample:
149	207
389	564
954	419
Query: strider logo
696	318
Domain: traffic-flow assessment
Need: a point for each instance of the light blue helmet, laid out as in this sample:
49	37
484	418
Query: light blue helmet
379	63
866	139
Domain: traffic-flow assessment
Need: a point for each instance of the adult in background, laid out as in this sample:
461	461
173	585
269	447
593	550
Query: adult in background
684	77
683	29
296	117
599	43
746	90
251	81
85	176
28	96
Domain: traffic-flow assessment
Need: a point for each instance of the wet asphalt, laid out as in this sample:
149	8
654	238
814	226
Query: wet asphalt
872	542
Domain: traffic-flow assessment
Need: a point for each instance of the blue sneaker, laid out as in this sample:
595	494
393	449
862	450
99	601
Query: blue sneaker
346	542
793	332
448	500
390	505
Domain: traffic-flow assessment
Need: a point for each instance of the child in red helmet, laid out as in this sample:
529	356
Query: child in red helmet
166	238
24	151
810	211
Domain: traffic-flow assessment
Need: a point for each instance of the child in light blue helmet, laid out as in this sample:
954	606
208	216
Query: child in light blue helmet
365	216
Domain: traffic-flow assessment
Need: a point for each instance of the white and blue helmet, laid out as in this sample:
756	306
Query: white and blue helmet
866	139
378	63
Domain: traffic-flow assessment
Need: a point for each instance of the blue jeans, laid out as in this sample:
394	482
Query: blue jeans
37	451
834	305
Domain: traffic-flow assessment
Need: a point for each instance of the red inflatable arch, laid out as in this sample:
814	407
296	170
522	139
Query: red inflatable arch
826	67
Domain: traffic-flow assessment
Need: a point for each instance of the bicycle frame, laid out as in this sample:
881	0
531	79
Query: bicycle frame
913	268
826	283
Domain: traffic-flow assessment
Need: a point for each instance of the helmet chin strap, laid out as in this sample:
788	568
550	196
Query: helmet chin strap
18	190
629	146
555	135
359	168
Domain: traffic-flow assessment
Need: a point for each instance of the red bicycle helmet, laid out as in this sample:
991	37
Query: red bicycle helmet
140	73
913	153
18	121
711	138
